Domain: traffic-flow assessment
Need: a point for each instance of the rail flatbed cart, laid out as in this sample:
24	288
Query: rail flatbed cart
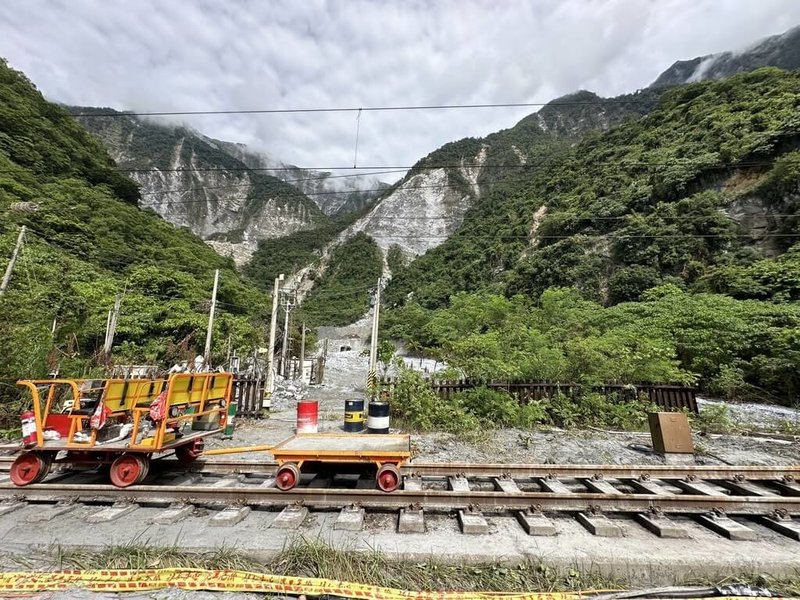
337	452
120	423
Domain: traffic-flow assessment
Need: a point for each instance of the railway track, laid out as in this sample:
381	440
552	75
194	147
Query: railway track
723	498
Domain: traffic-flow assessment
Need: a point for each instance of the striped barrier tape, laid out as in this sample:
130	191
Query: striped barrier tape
122	580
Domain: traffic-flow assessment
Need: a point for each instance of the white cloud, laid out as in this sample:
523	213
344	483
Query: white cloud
151	55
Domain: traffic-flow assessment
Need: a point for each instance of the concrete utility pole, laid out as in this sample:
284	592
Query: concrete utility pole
111	326
302	349
14	255
271	346
207	353
288	300
373	347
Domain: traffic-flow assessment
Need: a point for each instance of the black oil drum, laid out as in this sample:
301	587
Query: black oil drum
378	417
354	415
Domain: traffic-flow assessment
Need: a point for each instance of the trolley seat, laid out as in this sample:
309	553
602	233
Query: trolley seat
67	406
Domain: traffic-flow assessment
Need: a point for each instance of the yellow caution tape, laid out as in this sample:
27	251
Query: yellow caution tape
122	580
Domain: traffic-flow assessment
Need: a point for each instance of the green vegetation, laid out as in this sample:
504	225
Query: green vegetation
304	557
746	346
287	254
637	206
417	407
89	242
341	295
666	285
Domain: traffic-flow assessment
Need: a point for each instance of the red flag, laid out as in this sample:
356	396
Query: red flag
99	416
158	407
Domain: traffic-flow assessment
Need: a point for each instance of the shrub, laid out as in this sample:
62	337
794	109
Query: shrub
414	403
494	407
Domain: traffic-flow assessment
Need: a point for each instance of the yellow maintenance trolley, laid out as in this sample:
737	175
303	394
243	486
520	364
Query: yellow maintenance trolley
385	453
118	422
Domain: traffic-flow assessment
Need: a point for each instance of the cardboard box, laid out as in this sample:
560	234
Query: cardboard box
671	433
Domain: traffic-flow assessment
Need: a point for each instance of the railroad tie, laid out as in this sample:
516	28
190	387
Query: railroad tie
599	524
784	525
51	512
535	523
601	486
661	525
648	486
229	516
228	481
747	488
290	517
112	513
506	485
554	486
11	506
412	483
459	483
351	518
788	488
411	520
702	488
173	514
472	522
727	527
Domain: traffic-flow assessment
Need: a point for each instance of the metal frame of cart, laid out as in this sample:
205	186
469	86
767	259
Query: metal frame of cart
386	452
196	398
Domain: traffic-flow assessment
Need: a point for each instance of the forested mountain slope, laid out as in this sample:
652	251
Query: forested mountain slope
87	242
668	197
664	248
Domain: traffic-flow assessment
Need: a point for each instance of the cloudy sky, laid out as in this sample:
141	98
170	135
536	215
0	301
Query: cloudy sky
184	55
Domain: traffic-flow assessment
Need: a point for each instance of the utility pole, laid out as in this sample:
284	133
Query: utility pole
207	353
111	326
302	349
271	346
373	348
288	299
14	255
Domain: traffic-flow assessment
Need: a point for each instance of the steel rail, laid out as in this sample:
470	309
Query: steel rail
541	471
522	471
433	500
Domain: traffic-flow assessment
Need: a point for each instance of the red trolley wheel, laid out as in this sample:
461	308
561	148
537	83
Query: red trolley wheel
145	461
28	468
47	459
190	452
127	470
388	477
287	477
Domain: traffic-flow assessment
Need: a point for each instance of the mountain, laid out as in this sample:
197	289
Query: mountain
336	196
684	169
435	199
87	242
193	181
429	204
782	51
666	241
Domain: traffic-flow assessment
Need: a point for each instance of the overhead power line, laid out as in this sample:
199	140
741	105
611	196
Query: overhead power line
674	163
356	109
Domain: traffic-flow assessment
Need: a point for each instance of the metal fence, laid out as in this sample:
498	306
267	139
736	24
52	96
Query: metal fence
666	396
